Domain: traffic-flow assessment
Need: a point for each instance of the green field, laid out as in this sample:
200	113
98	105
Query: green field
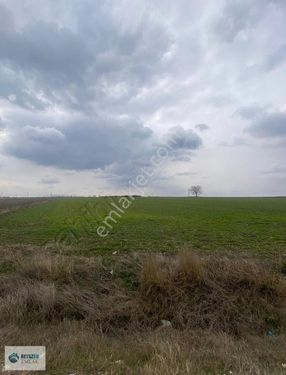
117	305
153	224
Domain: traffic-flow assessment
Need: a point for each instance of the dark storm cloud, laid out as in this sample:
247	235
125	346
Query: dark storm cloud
45	49
81	145
13	88
75	68
270	125
117	147
182	139
43	60
93	65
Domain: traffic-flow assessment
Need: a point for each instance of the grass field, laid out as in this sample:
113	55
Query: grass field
154	224
179	286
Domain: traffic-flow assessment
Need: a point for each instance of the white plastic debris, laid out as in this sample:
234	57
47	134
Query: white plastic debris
166	323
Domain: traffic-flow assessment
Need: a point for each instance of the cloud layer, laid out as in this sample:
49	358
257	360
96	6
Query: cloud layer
93	88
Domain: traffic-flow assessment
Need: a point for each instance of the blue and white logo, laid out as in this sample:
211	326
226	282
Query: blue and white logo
25	358
13	358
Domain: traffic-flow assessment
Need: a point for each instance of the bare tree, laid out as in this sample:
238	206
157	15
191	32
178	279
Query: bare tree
195	190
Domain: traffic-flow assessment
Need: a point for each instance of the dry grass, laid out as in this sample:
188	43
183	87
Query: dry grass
189	267
74	348
106	314
48	288
233	296
42	267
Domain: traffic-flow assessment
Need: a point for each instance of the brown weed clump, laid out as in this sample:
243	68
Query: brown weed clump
232	296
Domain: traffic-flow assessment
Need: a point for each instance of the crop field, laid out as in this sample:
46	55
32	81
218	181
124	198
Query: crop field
174	285
153	224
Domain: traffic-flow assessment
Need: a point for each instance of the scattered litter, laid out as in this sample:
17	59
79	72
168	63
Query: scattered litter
270	334
119	361
166	323
283	365
111	272
114	252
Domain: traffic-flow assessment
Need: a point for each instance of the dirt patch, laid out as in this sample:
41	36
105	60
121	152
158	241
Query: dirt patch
8	205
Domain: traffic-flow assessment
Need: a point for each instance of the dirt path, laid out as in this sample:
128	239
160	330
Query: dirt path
10	205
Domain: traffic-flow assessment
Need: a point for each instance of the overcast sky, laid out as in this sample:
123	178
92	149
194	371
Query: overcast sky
89	90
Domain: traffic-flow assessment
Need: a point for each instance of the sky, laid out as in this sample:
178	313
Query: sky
91	91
